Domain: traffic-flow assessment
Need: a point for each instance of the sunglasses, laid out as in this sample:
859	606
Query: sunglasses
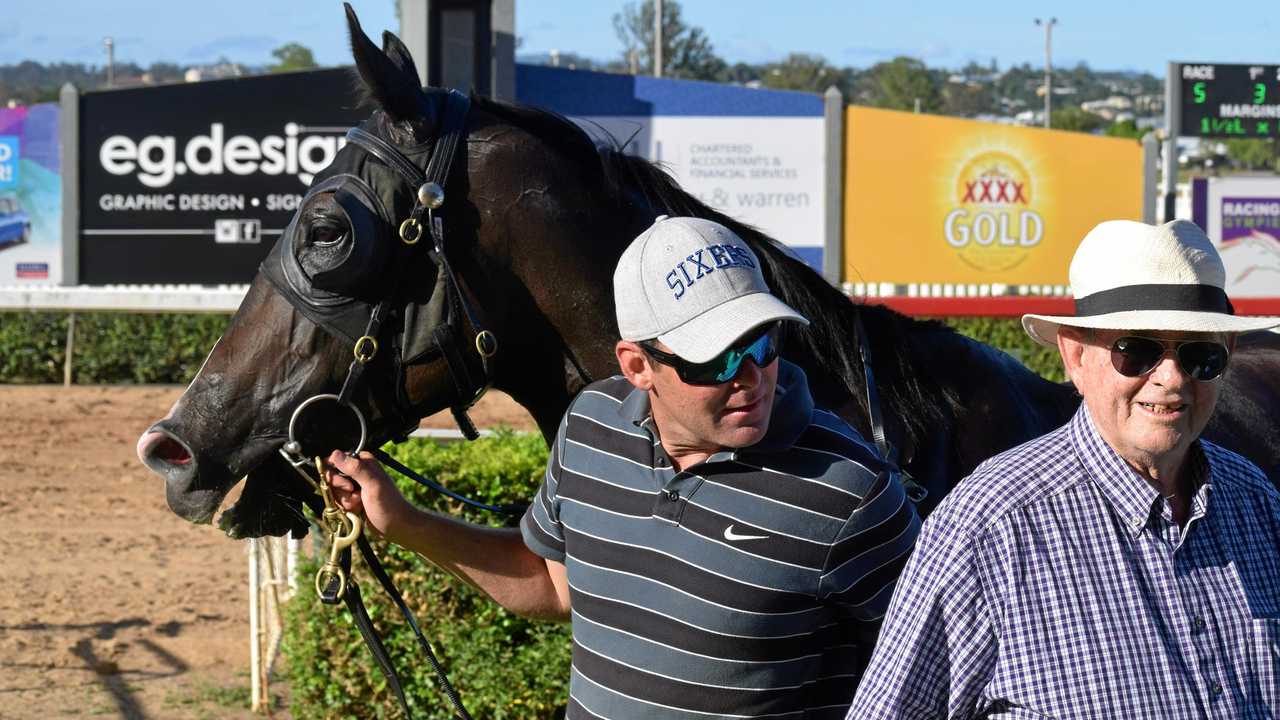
1135	356
761	346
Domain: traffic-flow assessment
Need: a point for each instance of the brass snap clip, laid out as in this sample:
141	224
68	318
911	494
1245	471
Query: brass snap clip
410	231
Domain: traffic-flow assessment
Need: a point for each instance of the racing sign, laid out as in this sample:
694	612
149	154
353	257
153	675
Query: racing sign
193	183
931	199
1241	101
1241	215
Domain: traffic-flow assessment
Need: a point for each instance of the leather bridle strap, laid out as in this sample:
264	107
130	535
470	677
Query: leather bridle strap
915	491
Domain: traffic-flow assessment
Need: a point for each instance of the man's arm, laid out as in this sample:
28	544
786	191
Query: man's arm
495	561
937	649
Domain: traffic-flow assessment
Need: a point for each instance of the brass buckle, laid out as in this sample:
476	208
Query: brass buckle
365	357
486	344
410	231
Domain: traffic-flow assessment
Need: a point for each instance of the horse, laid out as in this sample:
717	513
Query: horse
536	214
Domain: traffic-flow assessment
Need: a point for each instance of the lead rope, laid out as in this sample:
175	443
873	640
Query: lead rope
334	582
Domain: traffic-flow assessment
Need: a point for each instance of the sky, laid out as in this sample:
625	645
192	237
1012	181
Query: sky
1108	35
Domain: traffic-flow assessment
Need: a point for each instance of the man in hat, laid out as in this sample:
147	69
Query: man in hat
1118	567
722	547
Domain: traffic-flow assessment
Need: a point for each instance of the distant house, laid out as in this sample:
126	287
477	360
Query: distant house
216	71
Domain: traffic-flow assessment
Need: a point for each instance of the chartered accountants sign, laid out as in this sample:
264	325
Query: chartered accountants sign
193	183
931	199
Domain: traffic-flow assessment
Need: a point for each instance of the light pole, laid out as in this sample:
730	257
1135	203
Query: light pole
657	38
111	60
1048	66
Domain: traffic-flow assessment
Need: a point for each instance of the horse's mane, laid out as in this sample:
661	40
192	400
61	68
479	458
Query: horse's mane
906	388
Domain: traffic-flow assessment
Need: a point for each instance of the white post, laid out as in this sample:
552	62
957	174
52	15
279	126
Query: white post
70	350
255	647
657	38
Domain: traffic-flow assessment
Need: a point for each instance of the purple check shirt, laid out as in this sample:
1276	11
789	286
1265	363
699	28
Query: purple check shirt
1053	583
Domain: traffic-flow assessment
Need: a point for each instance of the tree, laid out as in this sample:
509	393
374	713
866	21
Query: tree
898	84
686	50
292	56
800	71
1076	120
1125	129
1253	154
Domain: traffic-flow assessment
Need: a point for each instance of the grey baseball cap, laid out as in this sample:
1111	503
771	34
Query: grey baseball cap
695	286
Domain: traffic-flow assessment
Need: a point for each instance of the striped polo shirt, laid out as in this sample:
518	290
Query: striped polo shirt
749	585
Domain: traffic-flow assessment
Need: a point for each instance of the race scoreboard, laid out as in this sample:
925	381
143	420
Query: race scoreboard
1227	101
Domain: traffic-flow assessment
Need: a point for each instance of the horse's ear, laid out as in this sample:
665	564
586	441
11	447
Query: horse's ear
395	90
398	54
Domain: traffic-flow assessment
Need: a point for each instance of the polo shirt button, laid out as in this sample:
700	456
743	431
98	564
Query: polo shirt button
672	495
1136	522
1217	689
1198	624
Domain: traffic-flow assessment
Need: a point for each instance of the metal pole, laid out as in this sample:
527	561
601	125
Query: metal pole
111	58
1150	177
1048	68
255	644
69	169
1173	128
833	252
657	38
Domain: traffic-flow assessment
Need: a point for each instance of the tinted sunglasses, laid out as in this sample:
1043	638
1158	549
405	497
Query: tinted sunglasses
1135	356
761	346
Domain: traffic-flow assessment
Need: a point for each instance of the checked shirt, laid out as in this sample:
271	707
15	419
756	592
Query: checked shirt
1053	582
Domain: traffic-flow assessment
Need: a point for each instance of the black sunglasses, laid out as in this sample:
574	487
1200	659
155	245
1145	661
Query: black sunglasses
1135	356
761	346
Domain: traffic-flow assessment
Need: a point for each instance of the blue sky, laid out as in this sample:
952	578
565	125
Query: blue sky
1107	35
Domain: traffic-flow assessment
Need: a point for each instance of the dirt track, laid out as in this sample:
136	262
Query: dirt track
110	605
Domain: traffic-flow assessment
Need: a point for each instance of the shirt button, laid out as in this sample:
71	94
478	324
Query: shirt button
1136	522
672	495
1198	624
662	462
1217	689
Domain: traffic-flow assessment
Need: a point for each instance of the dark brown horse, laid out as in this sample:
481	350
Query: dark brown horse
536	216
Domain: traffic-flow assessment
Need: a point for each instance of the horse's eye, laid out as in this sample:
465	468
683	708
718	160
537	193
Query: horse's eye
325	235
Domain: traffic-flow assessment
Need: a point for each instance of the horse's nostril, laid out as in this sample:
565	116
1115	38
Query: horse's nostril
171	451
157	449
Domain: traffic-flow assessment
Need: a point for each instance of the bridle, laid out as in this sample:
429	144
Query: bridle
333	582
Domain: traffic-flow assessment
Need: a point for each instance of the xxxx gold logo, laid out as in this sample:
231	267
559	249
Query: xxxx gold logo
993	226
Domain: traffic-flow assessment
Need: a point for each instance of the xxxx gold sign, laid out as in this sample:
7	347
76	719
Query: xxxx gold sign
994	225
931	199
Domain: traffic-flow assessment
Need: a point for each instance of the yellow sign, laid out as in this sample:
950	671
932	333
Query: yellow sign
932	199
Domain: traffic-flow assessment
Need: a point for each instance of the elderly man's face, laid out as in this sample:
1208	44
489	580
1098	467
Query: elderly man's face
1152	419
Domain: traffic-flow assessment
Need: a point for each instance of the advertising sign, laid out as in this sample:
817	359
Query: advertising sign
931	199
30	196
1242	217
753	154
193	183
1228	100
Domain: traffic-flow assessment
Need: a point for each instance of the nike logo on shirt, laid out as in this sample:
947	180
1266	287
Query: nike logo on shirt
729	534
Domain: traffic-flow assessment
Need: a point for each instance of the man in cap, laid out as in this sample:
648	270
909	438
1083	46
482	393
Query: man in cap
722	547
1119	566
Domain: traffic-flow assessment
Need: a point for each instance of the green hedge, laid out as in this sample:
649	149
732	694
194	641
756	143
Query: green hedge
109	347
502	665
168	348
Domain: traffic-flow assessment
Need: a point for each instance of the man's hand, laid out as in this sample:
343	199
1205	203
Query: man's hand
359	484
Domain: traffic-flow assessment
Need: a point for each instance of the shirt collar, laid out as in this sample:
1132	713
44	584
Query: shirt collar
1132	497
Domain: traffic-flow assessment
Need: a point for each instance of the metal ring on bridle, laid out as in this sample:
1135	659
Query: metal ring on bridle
365	357
486	344
410	231
293	421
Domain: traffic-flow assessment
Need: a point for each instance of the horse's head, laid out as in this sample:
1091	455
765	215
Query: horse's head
343	255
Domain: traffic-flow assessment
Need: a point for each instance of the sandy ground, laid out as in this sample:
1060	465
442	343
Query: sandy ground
110	605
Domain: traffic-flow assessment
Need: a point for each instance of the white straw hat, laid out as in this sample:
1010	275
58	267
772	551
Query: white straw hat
1132	276
694	285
